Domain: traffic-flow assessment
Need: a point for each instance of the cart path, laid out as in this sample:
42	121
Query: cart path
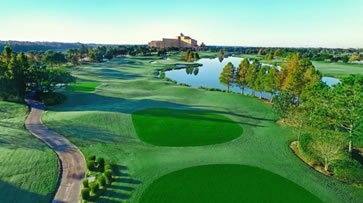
71	161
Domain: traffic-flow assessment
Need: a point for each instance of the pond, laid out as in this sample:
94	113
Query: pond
207	75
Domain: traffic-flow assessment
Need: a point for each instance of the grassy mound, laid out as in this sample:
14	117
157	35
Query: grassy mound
225	183
171	127
83	87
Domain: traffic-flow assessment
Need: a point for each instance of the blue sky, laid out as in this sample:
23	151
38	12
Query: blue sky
289	23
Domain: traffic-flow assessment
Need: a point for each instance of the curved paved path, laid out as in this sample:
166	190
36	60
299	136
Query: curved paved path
71	160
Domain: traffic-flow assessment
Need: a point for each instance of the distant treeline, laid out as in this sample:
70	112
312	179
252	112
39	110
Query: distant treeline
20	46
317	54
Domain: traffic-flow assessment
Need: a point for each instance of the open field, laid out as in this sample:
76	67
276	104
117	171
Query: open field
100	123
28	168
172	127
225	183
338	70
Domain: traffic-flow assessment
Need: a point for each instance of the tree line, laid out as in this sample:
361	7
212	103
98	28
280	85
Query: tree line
327	120
316	54
292	76
190	56
20	73
43	71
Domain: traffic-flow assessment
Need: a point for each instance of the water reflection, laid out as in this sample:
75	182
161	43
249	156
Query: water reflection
207	76
192	71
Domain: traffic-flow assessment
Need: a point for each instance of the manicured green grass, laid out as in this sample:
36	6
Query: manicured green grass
28	168
172	127
101	123
225	183
338	70
83	87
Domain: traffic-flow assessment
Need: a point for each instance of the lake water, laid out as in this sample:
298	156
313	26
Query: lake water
207	75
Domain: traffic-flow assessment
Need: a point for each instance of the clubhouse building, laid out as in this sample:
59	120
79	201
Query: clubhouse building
181	41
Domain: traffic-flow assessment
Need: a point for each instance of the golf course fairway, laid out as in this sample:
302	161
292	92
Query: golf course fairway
171	127
225	183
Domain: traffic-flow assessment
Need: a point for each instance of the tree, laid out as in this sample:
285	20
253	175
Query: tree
109	54
7	53
227	74
73	56
95	55
258	83
294	80
221	55
269	56
190	56
354	57
311	76
277	53
348	106
196	56
241	77
54	58
326	146
252	75
316	103
271	81
47	79
83	50
261	51
283	103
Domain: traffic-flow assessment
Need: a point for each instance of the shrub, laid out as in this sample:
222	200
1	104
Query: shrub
85	194
162	75
184	84
101	181
52	98
108	176
101	164
91	165
108	167
348	170
94	187
92	158
85	183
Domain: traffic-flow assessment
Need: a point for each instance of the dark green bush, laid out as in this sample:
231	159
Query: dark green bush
85	194
108	167
52	98
101	181
100	164
162	75
108	176
92	158
94	187
349	171
91	165
184	85
85	183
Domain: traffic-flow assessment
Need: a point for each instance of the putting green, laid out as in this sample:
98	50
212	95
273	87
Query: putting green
83	87
171	127
225	183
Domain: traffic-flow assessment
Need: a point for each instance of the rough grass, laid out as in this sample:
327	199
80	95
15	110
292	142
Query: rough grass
28	169
338	70
172	127
100	123
83	87
225	183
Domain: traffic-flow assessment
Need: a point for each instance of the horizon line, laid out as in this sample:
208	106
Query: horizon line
141	44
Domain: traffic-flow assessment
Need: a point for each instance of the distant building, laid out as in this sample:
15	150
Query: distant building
179	42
